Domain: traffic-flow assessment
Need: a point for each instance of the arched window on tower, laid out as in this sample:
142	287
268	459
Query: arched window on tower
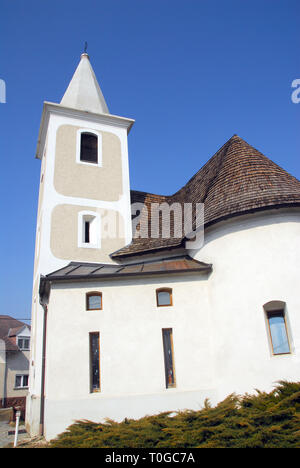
89	147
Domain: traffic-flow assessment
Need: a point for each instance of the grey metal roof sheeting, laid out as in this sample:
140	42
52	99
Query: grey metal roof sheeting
77	270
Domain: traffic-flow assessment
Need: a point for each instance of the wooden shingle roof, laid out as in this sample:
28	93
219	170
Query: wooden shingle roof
237	180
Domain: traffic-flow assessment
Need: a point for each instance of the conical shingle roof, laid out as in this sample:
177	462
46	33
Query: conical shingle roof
237	180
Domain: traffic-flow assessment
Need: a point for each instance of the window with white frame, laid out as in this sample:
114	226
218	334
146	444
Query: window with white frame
24	343
89	147
89	234
21	381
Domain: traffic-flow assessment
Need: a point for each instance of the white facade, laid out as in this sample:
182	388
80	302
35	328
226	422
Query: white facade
255	260
221	338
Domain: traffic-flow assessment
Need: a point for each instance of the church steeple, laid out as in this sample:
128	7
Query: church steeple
83	92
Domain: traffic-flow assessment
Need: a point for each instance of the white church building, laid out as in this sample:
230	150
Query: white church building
126	323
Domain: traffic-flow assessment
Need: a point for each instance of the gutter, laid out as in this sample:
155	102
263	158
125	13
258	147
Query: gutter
3	349
44	292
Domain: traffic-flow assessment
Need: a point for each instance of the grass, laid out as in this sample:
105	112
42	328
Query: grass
263	420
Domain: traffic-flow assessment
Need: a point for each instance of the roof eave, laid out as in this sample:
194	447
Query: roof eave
49	107
116	254
120	276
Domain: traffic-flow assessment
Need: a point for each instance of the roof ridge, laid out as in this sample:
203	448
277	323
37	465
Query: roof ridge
266	158
205	165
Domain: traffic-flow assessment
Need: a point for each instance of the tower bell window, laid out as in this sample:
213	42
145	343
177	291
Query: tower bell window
89	147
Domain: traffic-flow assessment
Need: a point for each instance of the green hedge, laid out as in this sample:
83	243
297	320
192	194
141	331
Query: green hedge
263	420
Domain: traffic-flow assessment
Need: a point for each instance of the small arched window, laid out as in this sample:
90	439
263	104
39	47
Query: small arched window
276	319
164	297
94	301
89	147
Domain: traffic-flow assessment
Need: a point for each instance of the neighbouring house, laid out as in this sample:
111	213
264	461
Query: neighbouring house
128	320
14	362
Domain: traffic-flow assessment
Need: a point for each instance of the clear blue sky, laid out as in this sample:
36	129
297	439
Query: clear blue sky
191	73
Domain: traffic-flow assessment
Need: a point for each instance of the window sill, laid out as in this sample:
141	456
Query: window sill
89	246
282	354
21	388
89	163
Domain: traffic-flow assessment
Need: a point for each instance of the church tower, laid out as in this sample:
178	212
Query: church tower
84	197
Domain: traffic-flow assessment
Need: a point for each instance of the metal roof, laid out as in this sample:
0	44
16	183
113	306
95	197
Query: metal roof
82	271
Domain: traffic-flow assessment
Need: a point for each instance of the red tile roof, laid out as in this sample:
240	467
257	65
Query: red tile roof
9	326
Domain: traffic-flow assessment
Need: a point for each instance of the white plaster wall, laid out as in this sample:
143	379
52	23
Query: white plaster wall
255	260
131	350
221	342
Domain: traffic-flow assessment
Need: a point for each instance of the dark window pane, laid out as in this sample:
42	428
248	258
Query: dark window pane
25	380
95	361
279	337
168	356
23	343
87	232
94	302
89	148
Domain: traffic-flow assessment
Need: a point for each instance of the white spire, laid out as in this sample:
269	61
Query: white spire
84	92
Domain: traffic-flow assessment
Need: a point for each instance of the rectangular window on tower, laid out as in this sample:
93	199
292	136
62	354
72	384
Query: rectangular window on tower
167	334
87	232
94	362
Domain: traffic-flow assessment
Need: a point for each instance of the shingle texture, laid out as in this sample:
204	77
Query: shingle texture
238	179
